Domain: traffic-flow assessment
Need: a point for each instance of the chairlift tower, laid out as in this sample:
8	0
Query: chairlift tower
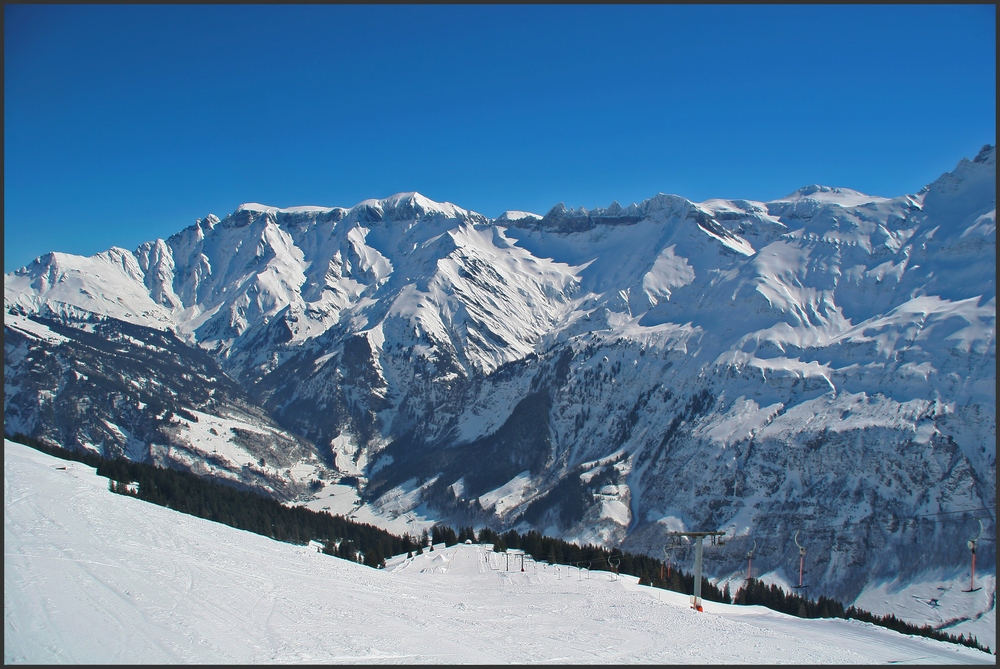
972	547
666	556
750	559
699	538
802	560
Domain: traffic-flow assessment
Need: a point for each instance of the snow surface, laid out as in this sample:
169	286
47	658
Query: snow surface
845	197
514	215
209	439
33	328
173	588
257	207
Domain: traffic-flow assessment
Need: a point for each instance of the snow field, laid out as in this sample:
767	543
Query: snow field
93	577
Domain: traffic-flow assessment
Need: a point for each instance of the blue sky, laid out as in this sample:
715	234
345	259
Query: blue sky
124	123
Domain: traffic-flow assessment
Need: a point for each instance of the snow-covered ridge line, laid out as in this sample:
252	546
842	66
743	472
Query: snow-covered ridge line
398	207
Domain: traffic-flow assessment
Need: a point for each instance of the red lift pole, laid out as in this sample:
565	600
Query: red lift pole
972	547
802	559
666	555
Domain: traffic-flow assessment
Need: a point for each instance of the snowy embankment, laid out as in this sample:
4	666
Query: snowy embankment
94	577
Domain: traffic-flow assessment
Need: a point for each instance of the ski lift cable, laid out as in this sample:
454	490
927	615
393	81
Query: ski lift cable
578	557
834	526
930	514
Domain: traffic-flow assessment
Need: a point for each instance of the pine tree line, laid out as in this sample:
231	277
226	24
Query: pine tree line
755	591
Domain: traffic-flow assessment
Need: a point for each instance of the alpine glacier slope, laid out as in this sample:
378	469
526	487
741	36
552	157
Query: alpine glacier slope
821	364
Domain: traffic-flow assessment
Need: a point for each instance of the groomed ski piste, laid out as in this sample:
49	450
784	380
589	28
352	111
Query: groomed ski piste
95	577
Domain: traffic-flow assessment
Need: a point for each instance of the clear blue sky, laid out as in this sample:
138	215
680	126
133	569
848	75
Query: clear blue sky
124	123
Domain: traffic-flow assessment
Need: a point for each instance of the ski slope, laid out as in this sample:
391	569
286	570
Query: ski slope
94	577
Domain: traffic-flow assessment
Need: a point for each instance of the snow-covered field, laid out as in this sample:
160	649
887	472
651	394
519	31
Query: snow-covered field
93	577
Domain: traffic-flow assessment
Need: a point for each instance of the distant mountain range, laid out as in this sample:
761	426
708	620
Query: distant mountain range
824	364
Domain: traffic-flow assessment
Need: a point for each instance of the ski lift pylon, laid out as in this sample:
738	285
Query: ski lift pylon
802	560
972	547
666	554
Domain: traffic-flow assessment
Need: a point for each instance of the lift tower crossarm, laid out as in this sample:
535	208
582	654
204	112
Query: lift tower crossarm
699	538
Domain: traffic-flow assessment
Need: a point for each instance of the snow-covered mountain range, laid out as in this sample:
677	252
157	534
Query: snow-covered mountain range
821	364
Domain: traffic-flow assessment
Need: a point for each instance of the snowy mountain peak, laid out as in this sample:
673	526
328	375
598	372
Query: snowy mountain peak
399	207
966	196
411	206
845	197
660	208
263	208
560	210
986	155
254	206
208	222
515	215
415	202
984	166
